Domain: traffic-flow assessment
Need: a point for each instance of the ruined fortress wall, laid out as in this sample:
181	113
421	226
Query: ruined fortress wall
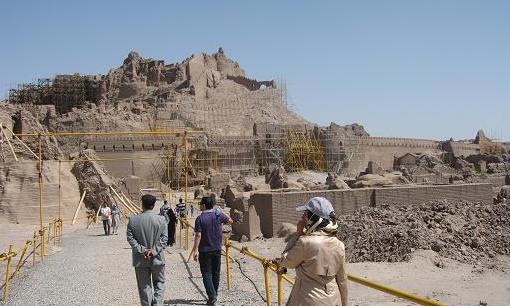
381	150
19	192
465	149
277	208
235	154
131	143
124	167
243	154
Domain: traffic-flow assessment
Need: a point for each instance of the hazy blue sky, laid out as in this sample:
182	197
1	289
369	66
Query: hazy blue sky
427	69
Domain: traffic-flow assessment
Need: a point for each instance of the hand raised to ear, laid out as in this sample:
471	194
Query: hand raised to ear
300	227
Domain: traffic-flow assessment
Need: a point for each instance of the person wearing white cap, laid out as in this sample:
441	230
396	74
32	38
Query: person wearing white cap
318	257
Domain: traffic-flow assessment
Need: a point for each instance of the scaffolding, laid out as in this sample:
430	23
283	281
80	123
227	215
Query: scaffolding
303	152
64	92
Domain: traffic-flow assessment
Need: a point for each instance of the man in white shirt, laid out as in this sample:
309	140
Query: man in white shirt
181	210
106	216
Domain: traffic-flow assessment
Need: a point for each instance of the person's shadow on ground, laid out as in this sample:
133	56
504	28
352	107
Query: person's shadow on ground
184	302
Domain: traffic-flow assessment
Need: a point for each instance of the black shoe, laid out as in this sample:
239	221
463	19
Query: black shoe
211	301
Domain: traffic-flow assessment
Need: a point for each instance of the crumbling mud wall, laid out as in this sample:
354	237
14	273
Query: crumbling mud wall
93	178
466	231
19	192
279	207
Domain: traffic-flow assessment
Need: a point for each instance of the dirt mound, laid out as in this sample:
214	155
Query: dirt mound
460	230
93	178
208	91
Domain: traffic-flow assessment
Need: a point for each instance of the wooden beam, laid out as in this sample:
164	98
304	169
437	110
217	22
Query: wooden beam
97	213
8	141
122	201
130	202
24	144
79	206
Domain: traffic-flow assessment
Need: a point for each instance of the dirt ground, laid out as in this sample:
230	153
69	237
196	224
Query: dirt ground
454	284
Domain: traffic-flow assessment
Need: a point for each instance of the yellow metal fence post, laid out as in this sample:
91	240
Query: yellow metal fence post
59	189
180	232
266	283
186	235
34	249
60	230
55	232
40	186
280	287
7	272
41	233
48	237
185	141
227	263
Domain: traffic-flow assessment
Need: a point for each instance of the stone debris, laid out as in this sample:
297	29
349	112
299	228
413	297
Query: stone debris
371	180
286	229
460	230
93	178
276	177
503	195
335	182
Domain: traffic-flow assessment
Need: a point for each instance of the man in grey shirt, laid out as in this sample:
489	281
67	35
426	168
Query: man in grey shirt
147	235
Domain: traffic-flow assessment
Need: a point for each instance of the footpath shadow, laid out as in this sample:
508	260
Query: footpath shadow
192	282
184	302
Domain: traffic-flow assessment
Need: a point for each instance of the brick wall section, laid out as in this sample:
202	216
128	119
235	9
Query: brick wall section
497	181
417	195
277	208
263	203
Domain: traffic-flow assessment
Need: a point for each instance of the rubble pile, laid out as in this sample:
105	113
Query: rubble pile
93	178
429	164
460	230
503	195
31	124
276	177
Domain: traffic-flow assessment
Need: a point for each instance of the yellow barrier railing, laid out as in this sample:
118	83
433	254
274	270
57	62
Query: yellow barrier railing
269	265
39	241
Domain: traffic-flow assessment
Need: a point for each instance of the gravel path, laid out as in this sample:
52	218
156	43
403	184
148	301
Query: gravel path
93	269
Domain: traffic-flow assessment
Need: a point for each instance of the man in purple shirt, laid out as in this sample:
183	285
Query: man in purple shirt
208	242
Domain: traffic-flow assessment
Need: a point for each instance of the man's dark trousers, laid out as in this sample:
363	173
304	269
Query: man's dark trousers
171	232
210	266
106	226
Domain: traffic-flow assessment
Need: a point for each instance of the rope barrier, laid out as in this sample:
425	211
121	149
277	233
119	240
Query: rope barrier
22	252
270	265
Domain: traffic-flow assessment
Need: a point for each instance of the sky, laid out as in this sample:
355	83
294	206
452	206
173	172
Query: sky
430	69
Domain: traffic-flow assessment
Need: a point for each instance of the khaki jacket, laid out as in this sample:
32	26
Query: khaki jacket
319	260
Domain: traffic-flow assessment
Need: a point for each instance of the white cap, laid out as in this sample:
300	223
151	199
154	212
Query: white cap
320	207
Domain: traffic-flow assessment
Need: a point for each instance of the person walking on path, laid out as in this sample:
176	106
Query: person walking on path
208	242
172	222
318	257
181	210
106	216
163	210
147	235
115	219
167	212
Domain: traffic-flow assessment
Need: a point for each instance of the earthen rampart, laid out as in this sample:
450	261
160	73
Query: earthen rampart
275	208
